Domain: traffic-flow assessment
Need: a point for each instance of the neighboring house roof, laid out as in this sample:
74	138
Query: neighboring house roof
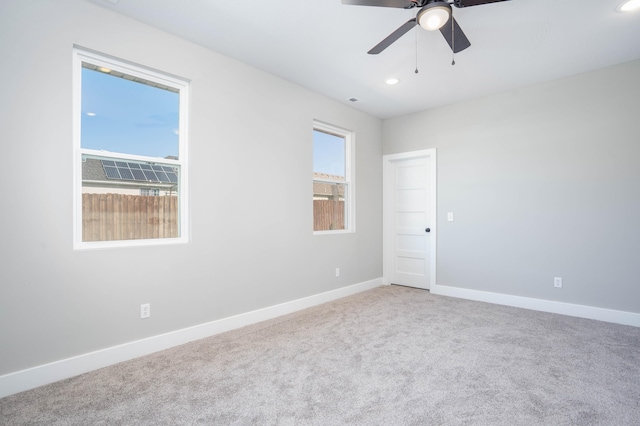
96	171
327	189
322	176
92	170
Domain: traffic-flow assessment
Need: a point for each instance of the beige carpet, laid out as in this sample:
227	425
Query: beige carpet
389	356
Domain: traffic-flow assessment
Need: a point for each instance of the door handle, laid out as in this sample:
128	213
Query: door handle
427	230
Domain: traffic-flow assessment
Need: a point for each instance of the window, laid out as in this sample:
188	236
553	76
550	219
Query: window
150	192
130	154
332	187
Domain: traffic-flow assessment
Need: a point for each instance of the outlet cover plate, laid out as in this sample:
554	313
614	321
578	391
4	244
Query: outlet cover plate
557	282
145	310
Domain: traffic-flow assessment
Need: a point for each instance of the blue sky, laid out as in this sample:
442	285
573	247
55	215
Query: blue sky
328	154
123	116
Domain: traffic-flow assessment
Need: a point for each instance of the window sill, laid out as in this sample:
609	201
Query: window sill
336	232
100	245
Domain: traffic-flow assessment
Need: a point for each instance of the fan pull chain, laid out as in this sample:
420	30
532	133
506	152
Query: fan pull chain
416	33
453	42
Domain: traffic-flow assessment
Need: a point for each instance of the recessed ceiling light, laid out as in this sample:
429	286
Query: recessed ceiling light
392	81
104	69
91	114
629	5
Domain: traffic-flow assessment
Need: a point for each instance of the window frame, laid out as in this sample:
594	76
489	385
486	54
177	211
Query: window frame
81	55
349	181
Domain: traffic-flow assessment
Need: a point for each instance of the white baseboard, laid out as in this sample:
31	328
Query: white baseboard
581	311
48	373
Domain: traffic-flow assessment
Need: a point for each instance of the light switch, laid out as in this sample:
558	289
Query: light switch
450	216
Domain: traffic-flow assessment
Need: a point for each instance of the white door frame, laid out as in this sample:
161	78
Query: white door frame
387	233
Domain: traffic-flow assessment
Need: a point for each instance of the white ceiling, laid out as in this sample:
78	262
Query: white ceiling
322	45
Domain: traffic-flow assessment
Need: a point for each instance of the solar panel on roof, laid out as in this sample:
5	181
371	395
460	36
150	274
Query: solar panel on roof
125	173
151	175
173	178
111	172
138	175
162	176
139	171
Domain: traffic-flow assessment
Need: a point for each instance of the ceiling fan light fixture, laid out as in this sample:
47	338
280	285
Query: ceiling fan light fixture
629	5
434	15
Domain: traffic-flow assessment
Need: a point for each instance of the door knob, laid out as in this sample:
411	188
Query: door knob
427	230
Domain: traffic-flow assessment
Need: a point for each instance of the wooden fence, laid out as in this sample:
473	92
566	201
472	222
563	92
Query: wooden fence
108	217
328	215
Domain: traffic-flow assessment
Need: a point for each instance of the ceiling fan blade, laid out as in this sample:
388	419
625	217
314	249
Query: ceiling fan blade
391	38
402	4
467	3
459	42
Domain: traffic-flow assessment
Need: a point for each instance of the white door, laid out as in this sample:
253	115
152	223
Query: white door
409	228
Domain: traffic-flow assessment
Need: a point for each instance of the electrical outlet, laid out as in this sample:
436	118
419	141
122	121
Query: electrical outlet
337	272
145	310
557	282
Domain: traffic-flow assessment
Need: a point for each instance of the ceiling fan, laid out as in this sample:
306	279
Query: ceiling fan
433	15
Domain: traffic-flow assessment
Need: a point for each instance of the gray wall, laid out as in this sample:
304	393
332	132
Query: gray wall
544	182
250	174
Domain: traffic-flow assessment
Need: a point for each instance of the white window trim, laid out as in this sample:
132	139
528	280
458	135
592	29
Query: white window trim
350	205
84	55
